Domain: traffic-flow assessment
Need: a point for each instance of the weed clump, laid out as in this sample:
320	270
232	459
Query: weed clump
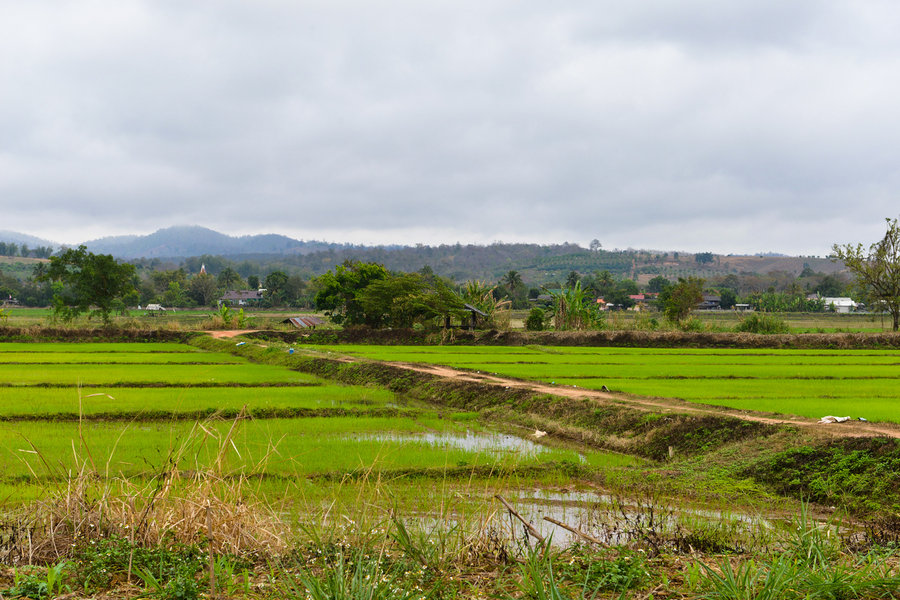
862	474
763	323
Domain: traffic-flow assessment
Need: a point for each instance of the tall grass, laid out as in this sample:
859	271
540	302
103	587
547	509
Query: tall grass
811	565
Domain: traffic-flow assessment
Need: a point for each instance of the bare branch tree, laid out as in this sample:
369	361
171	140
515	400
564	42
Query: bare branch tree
877	271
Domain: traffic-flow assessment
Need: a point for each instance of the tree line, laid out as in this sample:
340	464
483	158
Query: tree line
367	293
179	287
23	250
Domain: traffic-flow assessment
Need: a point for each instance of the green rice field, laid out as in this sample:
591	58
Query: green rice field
130	410
812	383
282	447
48	401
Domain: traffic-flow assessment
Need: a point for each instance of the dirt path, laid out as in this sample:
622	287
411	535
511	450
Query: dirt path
847	429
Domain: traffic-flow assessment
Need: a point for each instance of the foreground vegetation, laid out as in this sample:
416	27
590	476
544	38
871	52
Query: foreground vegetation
355	479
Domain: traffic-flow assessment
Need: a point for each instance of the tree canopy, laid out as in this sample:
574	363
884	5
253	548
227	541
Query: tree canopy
338	291
680	299
404	299
367	294
89	282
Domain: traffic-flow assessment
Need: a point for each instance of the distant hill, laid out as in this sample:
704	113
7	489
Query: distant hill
184	241
24	238
191	246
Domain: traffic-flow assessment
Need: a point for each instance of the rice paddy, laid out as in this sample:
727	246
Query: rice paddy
809	383
163	448
133	407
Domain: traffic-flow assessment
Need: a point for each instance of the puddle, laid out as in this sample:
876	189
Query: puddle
494	443
612	521
639	523
615	520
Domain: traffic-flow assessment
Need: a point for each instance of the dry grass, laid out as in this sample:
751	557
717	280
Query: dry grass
209	508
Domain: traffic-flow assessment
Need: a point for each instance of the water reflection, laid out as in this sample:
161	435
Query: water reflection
495	443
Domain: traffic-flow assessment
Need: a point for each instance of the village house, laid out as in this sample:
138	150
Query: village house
710	303
241	297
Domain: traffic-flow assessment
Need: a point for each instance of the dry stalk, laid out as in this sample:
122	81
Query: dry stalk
206	505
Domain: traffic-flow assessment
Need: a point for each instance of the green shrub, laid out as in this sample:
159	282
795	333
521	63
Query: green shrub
31	584
535	320
763	323
692	324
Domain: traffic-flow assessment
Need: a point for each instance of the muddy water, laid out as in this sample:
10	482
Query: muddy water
611	520
616	520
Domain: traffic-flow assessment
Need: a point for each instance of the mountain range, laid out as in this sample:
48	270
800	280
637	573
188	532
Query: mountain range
182	241
193	240
24	238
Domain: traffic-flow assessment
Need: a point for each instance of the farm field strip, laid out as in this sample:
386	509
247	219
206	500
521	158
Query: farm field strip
106	358
875	403
21	401
548	352
93	374
809	383
751	389
103	347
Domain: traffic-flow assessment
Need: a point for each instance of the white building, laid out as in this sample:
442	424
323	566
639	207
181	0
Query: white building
841	305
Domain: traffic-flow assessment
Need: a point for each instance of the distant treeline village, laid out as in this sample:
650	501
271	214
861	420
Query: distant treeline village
422	285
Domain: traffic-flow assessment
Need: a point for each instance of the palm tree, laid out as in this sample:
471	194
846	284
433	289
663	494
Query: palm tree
512	280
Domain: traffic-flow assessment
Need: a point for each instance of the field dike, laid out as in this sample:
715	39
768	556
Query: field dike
39	333
643	339
200	415
860	474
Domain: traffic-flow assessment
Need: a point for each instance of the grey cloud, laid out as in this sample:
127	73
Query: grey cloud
468	119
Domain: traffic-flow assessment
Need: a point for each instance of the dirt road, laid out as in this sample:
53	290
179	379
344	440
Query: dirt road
655	404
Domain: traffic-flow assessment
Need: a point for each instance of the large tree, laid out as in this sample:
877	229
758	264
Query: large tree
89	282
877	270
338	291
229	279
658	284
404	299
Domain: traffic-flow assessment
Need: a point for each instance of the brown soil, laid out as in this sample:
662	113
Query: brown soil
656	404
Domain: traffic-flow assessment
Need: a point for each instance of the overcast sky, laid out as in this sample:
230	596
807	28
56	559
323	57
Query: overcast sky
738	126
